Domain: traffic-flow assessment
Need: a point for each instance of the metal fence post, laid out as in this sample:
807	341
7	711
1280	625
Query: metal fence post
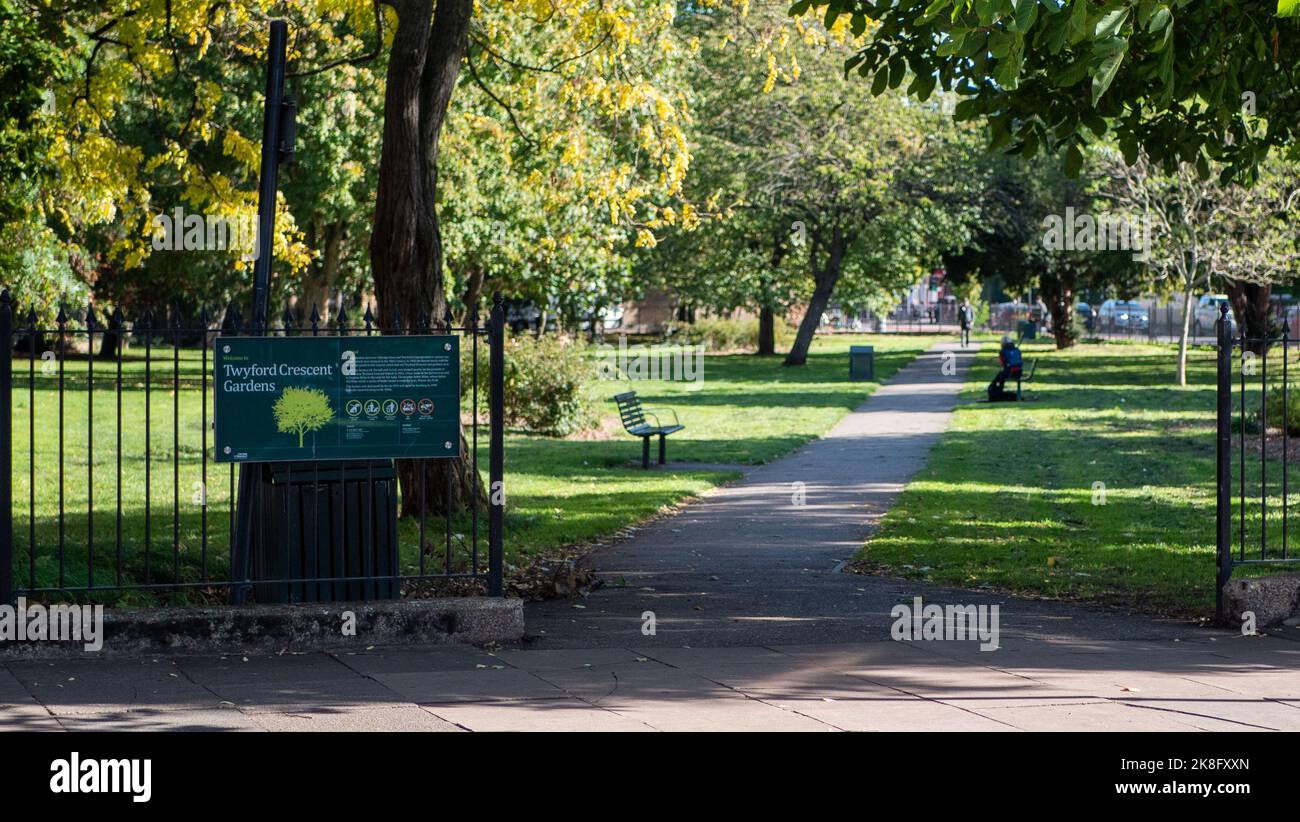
496	438
6	449
1223	460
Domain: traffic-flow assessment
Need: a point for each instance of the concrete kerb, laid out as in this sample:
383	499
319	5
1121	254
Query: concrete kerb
254	628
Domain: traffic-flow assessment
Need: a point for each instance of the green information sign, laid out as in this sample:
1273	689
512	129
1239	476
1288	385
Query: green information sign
321	398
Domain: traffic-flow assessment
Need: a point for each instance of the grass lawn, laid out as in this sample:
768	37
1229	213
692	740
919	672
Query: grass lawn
559	492
1101	487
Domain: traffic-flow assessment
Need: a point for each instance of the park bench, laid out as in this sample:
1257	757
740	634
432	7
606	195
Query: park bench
634	418
1026	374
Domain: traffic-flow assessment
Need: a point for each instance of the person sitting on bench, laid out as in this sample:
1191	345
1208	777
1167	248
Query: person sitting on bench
1011	361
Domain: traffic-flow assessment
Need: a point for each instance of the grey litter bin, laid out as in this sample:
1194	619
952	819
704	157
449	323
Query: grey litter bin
862	363
326	522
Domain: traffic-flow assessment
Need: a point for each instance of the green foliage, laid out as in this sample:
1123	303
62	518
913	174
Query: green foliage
301	410
28	63
1283	407
1186	81
726	334
545	384
818	191
34	267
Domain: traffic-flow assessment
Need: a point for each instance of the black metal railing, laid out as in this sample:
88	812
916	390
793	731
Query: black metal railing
109	490
1255	433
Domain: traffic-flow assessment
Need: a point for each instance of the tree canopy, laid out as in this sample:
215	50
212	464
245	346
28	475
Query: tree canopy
1192	81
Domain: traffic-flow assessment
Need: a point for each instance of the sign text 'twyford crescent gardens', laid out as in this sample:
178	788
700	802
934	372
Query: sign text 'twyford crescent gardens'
321	398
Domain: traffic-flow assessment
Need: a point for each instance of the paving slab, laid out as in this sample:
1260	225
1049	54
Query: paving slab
715	712
486	685
245	669
85	685
12	691
215	719
770	682
27	718
693	659
892	714
567	659
634	681
390	718
305	696
536	715
1224	713
416	660
1097	716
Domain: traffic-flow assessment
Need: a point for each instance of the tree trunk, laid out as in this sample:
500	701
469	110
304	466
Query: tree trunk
112	342
473	291
825	280
1058	293
405	245
1250	309
317	289
1189	288
766	331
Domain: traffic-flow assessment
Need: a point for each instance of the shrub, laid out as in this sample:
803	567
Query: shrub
1274	406
722	334
545	383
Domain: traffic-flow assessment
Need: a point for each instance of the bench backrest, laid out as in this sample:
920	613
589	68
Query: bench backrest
629	409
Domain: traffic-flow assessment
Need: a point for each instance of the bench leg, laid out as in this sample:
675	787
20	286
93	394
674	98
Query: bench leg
645	453
1018	397
661	449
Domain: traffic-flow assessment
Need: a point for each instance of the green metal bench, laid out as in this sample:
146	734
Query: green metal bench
635	422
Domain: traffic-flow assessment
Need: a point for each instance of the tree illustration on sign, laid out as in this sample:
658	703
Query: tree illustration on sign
299	410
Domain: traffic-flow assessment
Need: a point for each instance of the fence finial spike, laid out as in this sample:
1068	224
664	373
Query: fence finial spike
90	316
315	314
496	298
446	317
62	317
115	319
4	295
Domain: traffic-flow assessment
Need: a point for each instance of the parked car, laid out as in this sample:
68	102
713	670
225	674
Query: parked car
1086	314
1206	313
1123	314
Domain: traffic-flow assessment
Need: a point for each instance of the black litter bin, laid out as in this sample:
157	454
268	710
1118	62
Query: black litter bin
325	521
862	363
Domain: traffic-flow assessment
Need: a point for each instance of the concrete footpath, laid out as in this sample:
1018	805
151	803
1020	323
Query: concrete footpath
732	615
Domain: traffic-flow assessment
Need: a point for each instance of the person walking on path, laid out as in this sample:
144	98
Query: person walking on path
965	316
